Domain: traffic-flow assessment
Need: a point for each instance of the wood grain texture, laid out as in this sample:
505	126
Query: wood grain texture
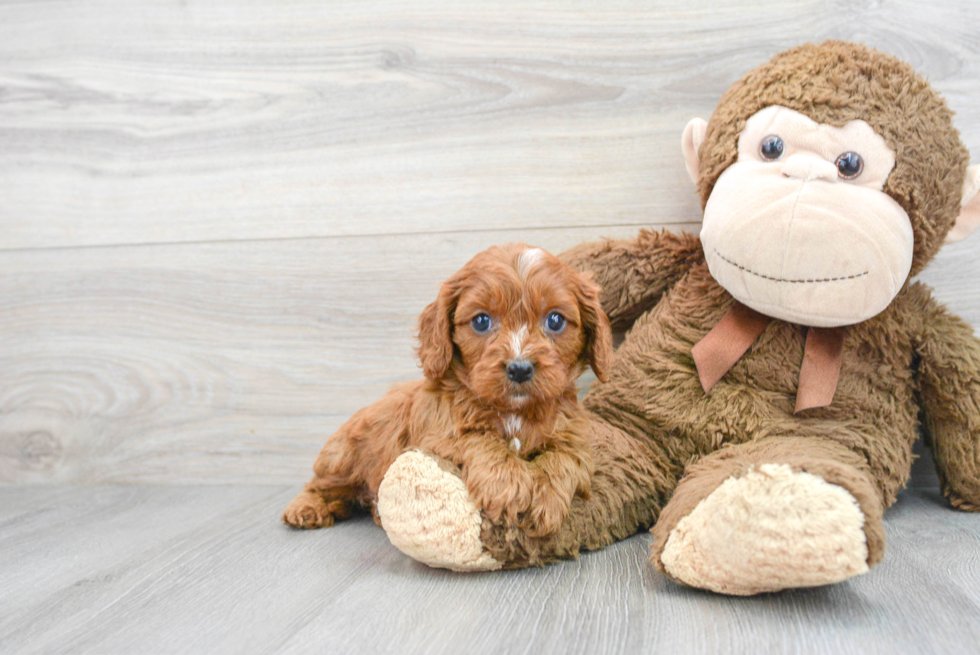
150	122
206	569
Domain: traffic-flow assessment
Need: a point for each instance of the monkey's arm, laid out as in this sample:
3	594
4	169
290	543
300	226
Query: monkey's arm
949	381
635	273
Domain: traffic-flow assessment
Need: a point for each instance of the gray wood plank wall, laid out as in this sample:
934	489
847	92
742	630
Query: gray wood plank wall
219	220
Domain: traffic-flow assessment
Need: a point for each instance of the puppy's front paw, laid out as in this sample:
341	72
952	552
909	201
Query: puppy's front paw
502	495
309	510
547	514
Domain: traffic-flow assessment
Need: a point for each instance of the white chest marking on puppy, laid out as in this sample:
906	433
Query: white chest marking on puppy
517	342
527	260
512	427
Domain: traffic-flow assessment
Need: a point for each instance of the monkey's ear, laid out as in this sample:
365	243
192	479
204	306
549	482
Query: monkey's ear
969	218
690	143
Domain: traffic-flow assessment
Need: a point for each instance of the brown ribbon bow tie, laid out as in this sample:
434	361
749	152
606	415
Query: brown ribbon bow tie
724	345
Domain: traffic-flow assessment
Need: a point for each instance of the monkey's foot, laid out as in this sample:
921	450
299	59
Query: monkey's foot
770	529
427	514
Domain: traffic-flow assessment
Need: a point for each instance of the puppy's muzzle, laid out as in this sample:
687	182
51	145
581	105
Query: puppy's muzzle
519	370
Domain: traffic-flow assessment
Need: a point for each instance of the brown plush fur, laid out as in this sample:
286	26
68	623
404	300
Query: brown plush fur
652	424
469	411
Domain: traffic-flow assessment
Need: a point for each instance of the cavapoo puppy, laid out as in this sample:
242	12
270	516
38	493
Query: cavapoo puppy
501	348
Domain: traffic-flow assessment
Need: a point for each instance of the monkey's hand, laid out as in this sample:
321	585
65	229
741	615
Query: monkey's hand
949	381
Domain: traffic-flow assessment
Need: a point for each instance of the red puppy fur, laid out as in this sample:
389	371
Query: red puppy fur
501	348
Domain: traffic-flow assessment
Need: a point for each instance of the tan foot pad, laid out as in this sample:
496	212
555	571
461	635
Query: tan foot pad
771	529
428	515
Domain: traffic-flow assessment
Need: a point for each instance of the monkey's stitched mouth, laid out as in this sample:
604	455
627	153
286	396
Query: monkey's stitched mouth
791	281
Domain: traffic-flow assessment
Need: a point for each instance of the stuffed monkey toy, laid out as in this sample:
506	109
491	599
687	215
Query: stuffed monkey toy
778	368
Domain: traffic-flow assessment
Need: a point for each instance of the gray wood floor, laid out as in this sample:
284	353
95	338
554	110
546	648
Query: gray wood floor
218	223
206	569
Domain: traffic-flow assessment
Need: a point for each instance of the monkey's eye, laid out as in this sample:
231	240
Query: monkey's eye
555	322
771	147
850	165
481	323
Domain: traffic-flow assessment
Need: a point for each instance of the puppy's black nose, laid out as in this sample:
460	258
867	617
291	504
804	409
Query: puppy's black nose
520	370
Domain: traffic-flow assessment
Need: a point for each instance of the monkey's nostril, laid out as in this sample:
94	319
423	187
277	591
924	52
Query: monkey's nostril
520	370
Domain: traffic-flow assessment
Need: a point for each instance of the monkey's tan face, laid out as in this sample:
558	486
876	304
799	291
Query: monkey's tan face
798	227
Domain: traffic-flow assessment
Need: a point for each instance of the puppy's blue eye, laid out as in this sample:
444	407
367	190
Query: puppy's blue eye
555	322
481	323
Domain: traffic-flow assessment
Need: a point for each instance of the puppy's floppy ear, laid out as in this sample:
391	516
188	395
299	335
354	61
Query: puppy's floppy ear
598	349
435	347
